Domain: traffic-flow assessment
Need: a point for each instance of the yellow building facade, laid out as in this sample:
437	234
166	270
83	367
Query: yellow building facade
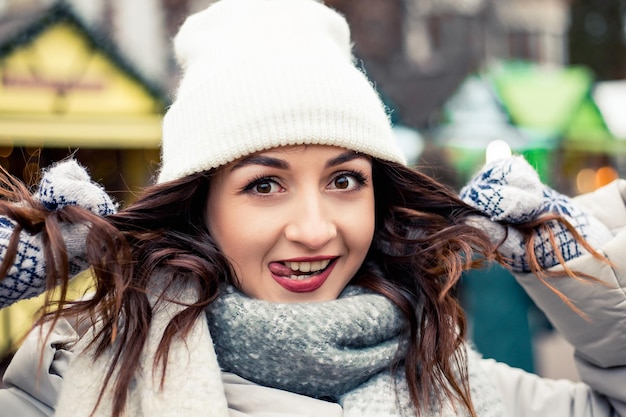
65	90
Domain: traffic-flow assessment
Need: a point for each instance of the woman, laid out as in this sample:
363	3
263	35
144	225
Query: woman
286	262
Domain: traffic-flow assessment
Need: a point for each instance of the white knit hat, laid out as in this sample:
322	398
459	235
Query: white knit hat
259	74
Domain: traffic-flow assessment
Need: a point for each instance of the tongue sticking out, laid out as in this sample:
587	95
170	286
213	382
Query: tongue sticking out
279	269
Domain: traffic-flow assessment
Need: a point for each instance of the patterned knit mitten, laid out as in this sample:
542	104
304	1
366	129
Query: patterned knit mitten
66	183
510	191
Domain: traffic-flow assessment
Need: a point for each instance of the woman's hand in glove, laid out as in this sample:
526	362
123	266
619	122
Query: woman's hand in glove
25	265
509	192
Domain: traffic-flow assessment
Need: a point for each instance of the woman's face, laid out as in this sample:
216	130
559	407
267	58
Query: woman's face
295	222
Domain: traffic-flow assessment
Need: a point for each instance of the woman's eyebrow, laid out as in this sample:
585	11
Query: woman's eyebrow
344	157
261	160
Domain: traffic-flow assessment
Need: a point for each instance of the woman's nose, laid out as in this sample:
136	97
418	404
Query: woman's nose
311	224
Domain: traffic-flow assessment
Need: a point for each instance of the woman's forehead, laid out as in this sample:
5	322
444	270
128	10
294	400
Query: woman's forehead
285	153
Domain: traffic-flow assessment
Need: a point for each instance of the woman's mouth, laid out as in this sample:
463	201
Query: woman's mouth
303	270
302	276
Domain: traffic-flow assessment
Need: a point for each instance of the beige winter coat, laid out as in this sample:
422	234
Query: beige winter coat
599	340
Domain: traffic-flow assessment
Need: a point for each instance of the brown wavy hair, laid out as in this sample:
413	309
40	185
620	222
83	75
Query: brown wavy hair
421	246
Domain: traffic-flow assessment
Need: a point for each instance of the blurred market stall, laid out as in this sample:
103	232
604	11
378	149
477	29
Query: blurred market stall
558	117
64	89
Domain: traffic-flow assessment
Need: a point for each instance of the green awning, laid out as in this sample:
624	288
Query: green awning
588	131
541	100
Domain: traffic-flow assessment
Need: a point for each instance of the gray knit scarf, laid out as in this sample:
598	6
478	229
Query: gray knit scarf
340	350
337	350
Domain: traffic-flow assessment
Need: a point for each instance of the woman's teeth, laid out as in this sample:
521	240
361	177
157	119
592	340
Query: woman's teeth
308	268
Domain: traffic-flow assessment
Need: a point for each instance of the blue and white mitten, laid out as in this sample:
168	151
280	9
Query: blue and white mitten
510	191
66	183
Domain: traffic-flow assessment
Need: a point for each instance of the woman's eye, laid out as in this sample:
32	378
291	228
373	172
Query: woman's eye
342	182
347	182
264	186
